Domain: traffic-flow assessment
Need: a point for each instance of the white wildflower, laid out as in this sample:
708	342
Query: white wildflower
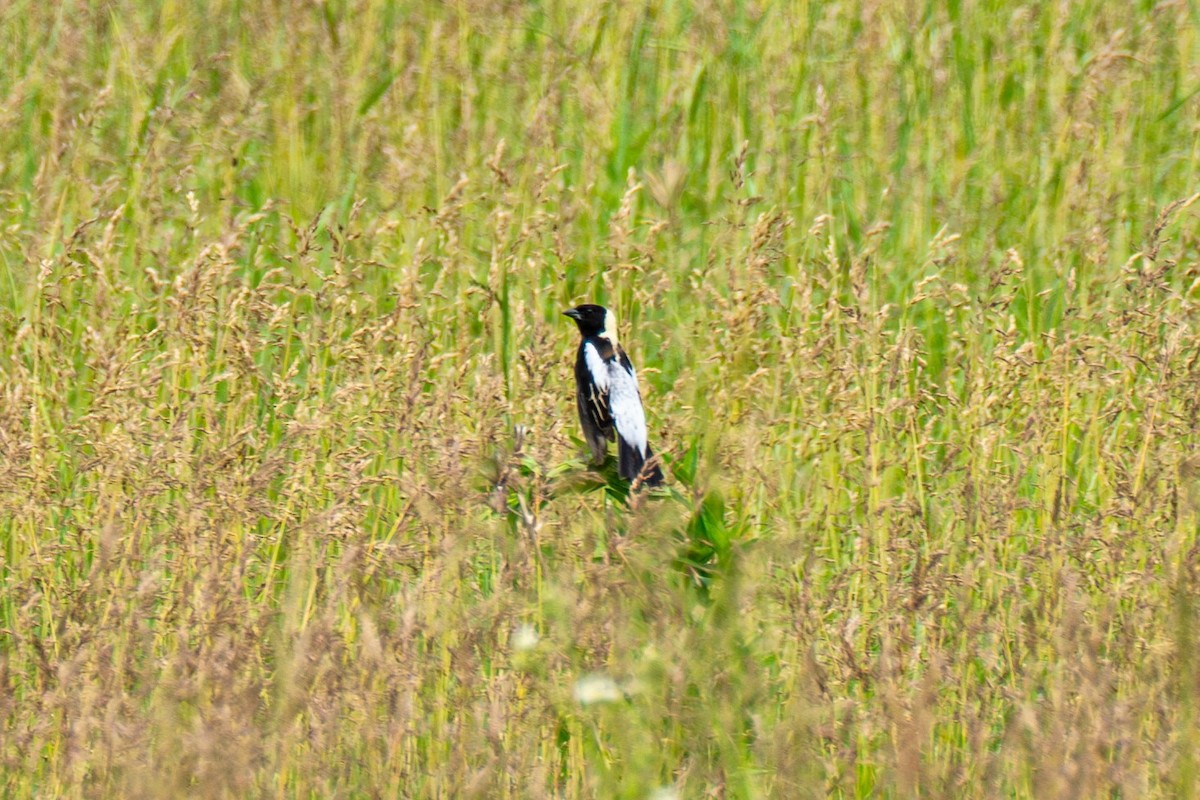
596	688
525	637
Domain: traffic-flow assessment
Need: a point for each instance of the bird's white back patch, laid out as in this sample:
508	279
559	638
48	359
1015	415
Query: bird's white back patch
625	404
596	366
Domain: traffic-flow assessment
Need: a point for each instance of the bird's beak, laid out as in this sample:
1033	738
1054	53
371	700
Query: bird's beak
573	313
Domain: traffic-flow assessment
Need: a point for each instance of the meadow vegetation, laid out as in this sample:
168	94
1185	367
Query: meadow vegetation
292	496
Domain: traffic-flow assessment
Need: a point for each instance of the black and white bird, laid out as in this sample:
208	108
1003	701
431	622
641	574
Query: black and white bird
607	396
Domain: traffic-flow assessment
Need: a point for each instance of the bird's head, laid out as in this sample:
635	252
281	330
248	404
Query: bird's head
592	320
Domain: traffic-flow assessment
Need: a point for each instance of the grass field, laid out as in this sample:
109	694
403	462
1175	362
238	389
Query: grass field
292	495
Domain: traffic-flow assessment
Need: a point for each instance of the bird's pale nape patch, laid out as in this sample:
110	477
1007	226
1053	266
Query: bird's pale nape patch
610	328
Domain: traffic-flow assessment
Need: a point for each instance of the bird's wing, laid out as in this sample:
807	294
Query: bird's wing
625	402
594	391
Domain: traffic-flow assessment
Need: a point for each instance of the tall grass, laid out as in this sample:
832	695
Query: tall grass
292	501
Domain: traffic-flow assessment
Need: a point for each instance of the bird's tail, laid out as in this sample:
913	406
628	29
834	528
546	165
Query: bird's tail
631	464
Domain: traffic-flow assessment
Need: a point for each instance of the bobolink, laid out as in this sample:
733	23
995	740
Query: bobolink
607	396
